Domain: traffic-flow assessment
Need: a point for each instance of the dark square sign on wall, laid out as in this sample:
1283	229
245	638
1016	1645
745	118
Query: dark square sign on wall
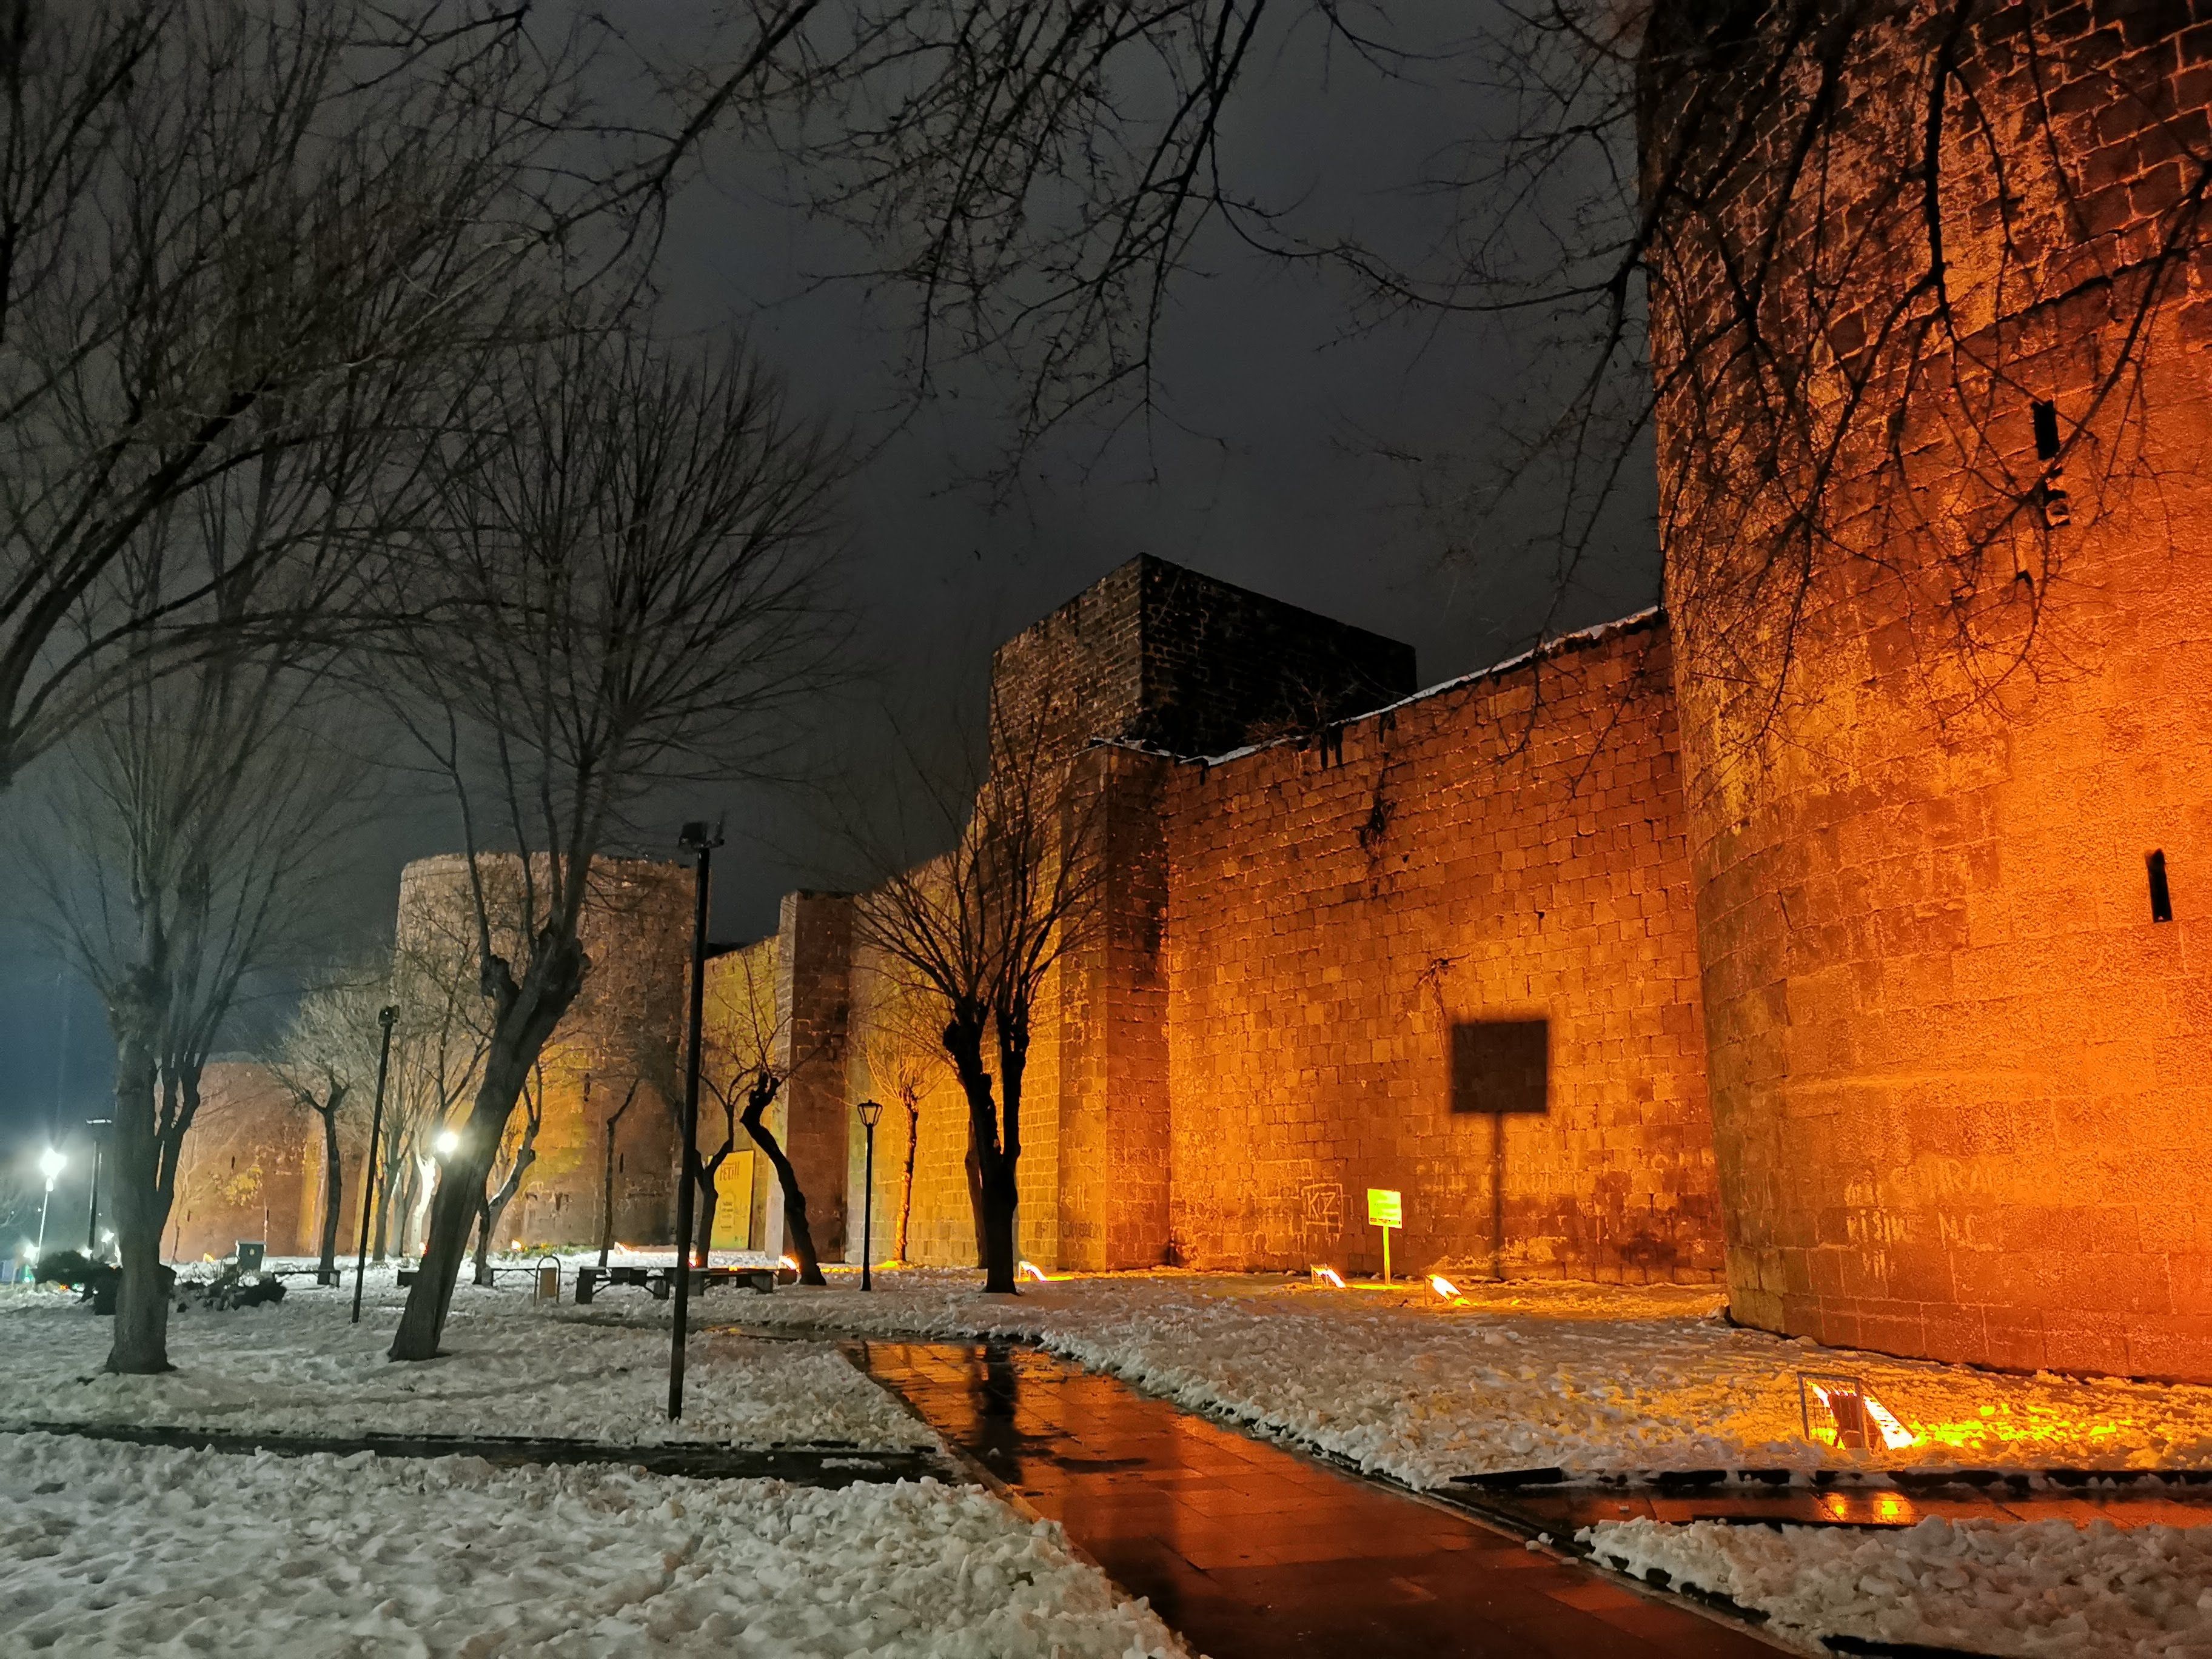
1500	1065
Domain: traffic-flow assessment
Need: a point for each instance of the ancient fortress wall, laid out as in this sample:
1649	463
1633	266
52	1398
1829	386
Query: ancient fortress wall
1451	953
252	1168
1961	1058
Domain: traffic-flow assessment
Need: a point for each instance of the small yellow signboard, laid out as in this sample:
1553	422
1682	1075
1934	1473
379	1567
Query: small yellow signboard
1385	1209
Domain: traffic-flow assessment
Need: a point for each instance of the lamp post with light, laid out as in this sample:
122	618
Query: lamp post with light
871	1112
51	1165
698	839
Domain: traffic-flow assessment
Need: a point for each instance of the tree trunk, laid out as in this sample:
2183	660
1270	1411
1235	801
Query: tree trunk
326	1269
795	1200
489	1211
703	1233
410	1177
394	1157
141	1340
555	974
906	1192
993	1181
973	1164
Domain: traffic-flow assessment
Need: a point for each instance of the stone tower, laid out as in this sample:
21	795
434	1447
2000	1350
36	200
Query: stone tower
1937	519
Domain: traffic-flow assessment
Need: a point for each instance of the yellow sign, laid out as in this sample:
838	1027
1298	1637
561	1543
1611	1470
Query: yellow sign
1385	1208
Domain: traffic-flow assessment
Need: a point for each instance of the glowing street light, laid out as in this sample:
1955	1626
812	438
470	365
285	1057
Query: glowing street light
447	1143
51	1165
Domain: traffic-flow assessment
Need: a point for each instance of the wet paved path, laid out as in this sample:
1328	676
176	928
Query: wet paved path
1249	1550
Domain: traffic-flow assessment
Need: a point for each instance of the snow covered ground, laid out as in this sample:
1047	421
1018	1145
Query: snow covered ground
108	1550
2045	1589
1592	1379
511	1368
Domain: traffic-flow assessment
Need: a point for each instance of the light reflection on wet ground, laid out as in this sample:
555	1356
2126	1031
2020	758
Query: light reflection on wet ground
1248	1549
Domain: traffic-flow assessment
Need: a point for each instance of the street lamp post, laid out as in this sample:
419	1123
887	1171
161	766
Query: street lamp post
92	1209
699	839
51	1165
384	1018
871	1111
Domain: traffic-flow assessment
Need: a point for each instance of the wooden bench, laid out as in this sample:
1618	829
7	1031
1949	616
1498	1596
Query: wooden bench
658	1282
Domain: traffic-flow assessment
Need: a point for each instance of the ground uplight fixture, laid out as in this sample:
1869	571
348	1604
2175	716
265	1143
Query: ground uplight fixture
1850	1418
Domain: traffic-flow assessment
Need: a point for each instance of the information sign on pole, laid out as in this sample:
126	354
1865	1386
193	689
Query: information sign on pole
1385	1209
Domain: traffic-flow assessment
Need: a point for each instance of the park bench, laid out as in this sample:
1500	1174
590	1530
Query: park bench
658	1282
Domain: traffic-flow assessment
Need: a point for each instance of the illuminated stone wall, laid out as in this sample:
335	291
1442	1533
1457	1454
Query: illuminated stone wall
623	1028
1342	921
252	1168
1961	1077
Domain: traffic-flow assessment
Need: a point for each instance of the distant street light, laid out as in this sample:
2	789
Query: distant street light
871	1111
51	1165
447	1144
699	839
385	1017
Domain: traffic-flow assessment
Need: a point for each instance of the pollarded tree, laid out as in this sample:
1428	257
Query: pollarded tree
326	1058
183	836
743	1063
980	928
625	589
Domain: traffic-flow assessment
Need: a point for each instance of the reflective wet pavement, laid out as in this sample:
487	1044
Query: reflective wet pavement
1251	1550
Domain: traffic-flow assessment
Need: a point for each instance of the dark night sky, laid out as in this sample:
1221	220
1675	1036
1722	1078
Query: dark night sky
1266	468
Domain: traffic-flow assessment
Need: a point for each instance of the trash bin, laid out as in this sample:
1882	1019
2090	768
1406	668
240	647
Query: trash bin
548	1282
251	1252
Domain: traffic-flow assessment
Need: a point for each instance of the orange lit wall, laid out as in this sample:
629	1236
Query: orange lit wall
251	1169
1509	848
1961	1079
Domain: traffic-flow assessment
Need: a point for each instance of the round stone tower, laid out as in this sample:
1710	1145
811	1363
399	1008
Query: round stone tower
621	1032
1930	312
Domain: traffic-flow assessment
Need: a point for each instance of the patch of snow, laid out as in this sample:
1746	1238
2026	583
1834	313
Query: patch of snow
509	1368
2042	1588
1591	1379
111	1550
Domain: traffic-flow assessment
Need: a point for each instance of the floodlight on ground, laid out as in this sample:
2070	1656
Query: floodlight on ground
1327	1276
1030	1270
1852	1418
1443	1287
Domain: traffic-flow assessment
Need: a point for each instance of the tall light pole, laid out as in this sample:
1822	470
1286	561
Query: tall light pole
871	1112
699	839
51	1165
92	1208
384	1018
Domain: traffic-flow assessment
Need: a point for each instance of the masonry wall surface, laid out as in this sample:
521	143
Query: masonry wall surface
250	1169
1962	1077
1510	849
623	1030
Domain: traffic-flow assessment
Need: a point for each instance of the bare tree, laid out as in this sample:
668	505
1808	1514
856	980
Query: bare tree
180	841
230	232
326	1059
901	1053
613	1121
981	927
625	586
744	1061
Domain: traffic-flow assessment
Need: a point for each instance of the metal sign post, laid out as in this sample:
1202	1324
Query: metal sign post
1386	1210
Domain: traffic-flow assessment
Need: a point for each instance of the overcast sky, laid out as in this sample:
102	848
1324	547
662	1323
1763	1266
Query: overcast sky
1278	463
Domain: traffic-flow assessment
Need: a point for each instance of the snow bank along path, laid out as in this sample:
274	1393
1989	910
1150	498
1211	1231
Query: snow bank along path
2045	1588
1591	1379
511	1369
109	1549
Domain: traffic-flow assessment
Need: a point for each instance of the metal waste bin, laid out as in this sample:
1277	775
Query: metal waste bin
250	1253
548	1283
